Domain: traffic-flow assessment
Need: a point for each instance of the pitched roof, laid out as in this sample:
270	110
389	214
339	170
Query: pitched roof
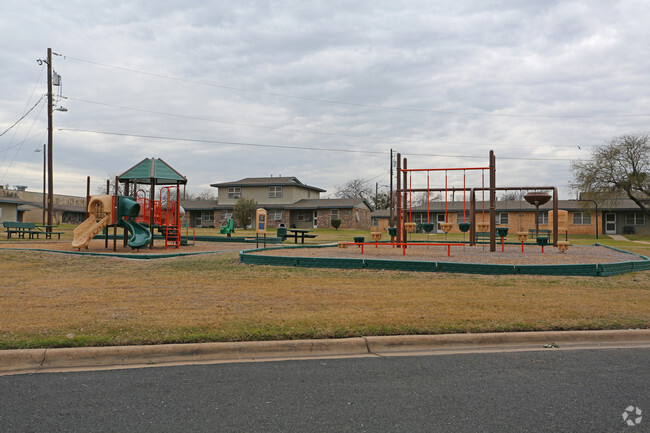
310	204
328	203
199	204
153	169
266	181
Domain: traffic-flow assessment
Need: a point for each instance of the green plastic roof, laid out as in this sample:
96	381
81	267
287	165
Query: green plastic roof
153	169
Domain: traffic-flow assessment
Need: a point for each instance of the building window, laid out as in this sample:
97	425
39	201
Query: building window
374	221
226	214
459	217
208	216
234	192
275	215
543	218
635	219
304	215
335	214
308	194
502	218
275	192
581	218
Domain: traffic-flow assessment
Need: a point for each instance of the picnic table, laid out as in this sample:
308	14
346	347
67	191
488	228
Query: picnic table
47	230
299	233
18	228
30	229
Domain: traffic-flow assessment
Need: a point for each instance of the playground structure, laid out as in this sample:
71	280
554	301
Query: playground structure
163	214
405	190
138	214
108	210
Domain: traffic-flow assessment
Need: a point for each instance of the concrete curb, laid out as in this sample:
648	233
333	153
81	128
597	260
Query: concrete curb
33	360
422	343
85	358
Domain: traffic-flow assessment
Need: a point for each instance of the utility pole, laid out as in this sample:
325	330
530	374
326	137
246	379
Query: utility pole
44	184
391	204
50	183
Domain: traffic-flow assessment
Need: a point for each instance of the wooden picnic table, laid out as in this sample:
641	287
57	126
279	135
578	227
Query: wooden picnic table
299	233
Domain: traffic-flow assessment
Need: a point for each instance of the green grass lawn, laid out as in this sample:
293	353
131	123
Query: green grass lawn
57	300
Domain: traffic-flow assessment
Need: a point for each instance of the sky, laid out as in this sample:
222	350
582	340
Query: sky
319	90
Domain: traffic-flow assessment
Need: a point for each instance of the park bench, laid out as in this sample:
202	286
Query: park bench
542	232
482	236
20	229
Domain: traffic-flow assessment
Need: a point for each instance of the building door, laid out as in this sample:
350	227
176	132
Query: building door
315	225
440	218
198	220
610	223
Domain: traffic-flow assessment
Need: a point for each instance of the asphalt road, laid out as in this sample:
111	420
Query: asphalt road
542	391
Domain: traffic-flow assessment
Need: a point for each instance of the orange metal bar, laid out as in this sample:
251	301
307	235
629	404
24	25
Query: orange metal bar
464	196
444	169
446	196
483	195
410	198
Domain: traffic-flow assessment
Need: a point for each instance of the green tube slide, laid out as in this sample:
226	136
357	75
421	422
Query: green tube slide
140	235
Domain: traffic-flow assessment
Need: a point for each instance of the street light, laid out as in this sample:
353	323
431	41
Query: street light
44	166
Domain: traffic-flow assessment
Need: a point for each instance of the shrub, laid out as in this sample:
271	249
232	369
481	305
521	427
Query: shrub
336	224
628	230
243	211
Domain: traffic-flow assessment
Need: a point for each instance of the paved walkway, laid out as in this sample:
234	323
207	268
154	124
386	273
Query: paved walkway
623	238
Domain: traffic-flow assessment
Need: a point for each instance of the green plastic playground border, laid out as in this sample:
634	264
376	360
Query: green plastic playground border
139	256
591	270
145	256
202	238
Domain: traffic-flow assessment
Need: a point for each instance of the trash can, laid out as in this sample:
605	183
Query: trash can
281	231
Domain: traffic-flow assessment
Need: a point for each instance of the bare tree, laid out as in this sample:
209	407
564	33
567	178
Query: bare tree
512	195
203	195
355	188
110	178
620	167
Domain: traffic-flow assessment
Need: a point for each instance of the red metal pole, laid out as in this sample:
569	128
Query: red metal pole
445	196
464	179
427	197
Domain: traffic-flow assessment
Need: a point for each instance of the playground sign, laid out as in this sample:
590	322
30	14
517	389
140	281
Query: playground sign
260	221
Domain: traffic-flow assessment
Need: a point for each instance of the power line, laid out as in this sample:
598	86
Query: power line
355	104
280	146
234	143
24	115
332	134
24	141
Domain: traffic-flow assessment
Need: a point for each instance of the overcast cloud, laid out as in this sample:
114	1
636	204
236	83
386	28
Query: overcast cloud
442	82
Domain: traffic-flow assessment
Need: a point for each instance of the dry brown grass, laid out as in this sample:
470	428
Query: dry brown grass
50	299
